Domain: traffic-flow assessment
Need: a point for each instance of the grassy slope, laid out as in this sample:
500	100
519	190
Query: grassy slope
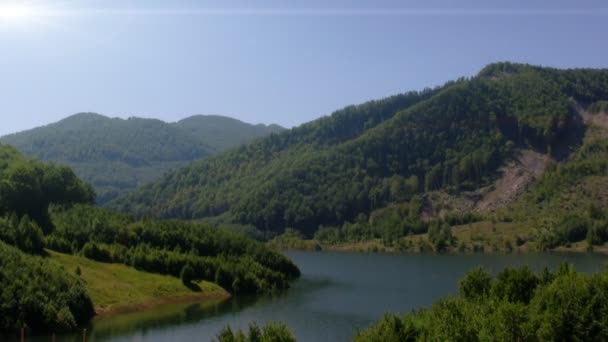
116	287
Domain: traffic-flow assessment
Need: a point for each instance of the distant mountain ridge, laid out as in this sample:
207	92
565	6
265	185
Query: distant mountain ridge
223	132
117	155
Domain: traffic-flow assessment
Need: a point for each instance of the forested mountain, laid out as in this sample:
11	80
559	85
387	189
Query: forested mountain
351	165
118	155
221	133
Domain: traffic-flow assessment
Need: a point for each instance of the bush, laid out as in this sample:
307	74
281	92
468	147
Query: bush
271	332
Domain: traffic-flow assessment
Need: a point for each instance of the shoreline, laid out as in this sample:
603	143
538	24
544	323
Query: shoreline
372	246
115	310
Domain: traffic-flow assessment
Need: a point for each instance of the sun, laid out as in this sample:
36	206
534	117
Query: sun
16	12
21	16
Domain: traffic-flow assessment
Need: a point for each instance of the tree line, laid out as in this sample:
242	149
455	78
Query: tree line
232	260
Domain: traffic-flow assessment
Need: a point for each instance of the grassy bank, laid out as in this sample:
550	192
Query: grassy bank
116	288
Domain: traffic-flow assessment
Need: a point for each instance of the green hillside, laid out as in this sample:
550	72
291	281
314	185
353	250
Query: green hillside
393	153
45	209
117	155
116	287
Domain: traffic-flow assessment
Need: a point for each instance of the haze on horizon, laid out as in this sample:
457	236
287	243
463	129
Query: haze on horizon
272	63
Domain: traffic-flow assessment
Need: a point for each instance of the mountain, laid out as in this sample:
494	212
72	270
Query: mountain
385	164
221	133
118	155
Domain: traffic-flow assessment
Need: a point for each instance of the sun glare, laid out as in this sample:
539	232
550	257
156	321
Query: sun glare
16	12
19	16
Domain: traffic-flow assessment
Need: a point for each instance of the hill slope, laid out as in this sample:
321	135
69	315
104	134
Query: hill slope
119	288
118	155
45	208
364	158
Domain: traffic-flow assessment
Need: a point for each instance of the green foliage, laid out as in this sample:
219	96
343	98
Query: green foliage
440	235
515	285
27	187
522	306
39	295
391	329
367	157
187	275
118	155
23	234
234	261
476	284
271	332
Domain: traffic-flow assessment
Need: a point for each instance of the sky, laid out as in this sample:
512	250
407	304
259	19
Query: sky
284	62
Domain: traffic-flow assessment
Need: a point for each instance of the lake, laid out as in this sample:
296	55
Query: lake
337	294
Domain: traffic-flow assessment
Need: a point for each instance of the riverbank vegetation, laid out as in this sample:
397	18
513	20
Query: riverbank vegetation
271	332
516	305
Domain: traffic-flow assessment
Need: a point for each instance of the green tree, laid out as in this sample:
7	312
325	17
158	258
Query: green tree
476	284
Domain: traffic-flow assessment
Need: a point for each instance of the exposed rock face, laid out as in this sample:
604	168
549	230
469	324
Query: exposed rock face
517	175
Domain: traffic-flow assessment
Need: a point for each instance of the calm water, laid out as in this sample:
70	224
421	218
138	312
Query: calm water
337	294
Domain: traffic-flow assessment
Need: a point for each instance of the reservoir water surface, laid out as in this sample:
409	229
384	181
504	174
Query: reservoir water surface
337	294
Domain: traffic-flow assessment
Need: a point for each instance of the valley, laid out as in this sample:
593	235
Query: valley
501	166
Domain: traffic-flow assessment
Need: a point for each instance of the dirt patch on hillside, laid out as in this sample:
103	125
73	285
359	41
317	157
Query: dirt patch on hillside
597	119
600	120
517	175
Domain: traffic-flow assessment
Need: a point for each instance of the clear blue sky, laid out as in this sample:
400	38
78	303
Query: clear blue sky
284	62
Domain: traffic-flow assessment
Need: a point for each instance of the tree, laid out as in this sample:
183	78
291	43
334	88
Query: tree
476	284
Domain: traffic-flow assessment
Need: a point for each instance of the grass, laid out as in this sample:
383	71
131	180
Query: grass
116	287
